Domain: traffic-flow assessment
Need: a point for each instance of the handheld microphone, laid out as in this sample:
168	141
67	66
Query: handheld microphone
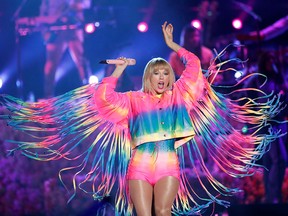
118	61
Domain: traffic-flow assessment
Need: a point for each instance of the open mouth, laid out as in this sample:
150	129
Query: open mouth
161	85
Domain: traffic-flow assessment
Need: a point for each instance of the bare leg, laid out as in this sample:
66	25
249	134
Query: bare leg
141	193
54	52
165	191
77	53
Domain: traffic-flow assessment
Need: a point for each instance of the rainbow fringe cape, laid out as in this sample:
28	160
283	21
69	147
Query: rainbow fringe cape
70	127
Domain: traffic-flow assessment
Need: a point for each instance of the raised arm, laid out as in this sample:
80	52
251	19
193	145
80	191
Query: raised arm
167	30
191	61
192	82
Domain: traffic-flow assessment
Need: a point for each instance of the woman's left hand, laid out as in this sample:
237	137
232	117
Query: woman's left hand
167	30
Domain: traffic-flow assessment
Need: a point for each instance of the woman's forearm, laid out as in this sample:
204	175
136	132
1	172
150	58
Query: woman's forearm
167	30
117	72
174	46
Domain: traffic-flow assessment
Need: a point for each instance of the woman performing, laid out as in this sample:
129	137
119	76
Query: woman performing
140	143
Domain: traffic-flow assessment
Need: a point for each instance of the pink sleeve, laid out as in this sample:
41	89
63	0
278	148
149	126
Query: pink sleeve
192	83
192	65
112	106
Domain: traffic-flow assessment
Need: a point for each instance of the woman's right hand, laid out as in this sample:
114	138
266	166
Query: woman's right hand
120	67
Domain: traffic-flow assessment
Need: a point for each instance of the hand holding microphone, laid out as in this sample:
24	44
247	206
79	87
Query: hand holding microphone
118	61
121	65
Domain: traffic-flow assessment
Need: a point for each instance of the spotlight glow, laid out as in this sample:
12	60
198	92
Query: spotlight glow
196	24
237	23
19	83
238	74
90	28
93	79
142	27
244	129
1	83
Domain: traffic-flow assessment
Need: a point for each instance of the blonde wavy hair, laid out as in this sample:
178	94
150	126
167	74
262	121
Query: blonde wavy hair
153	65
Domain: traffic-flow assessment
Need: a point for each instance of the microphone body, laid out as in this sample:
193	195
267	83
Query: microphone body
118	61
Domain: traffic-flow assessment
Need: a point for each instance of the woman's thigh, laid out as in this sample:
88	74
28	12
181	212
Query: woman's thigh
141	193
165	191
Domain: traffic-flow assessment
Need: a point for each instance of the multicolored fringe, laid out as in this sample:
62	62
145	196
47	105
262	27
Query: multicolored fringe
216	119
70	127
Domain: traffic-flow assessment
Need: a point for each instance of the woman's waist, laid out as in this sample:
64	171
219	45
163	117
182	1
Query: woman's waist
162	145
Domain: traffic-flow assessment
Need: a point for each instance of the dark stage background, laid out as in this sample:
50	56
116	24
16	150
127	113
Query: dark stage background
118	35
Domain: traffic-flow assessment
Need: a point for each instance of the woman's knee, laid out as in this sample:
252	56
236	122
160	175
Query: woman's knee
162	211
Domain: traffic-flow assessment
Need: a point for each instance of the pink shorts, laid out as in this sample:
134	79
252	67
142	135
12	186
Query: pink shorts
152	161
